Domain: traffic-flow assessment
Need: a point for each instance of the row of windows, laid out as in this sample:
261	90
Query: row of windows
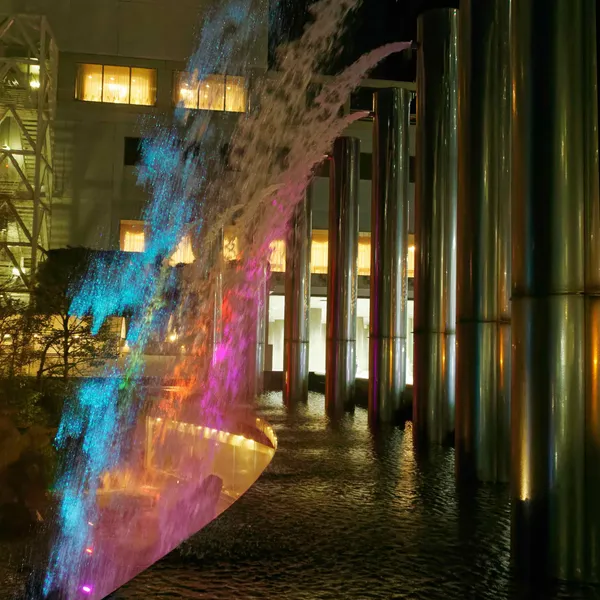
319	253
214	92
133	240
133	85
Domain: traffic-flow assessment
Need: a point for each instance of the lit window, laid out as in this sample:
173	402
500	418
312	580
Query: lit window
213	92
116	85
186	90
143	87
235	94
410	260
230	245
89	83
318	253
277	258
133	240
183	254
364	254
132	236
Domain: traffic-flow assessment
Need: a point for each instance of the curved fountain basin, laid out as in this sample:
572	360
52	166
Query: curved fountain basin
187	474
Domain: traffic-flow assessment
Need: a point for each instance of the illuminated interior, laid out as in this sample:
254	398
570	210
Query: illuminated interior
317	335
319	253
132	239
212	92
115	84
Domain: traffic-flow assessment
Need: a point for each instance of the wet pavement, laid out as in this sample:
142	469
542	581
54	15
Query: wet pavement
341	514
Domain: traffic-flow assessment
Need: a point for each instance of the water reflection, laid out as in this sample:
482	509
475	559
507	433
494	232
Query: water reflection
343	513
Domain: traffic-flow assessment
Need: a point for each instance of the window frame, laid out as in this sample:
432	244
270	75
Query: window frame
102	101
178	76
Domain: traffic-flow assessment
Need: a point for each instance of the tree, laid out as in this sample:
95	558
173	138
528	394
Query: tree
18	329
66	346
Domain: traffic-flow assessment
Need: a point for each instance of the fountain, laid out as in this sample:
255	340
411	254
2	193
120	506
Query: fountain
144	472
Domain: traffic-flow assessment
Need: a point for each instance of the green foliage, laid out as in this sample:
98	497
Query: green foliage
66	346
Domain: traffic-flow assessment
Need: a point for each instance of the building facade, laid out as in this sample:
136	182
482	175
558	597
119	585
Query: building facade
120	71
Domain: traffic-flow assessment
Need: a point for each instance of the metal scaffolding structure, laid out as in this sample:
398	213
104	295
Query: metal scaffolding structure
28	77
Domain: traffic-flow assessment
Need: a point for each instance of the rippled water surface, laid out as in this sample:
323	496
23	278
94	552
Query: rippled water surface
340	514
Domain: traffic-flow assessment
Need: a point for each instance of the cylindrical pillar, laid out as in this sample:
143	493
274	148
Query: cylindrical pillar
435	226
548	42
483	248
342	280
389	248
261	331
297	304
217	294
592	293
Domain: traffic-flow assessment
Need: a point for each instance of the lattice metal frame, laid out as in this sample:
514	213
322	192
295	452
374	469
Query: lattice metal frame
28	78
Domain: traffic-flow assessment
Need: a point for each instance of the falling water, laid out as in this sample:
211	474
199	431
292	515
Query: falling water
273	152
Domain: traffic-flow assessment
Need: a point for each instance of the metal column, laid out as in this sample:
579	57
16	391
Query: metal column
217	294
297	304
261	331
483	251
592	294
389	248
342	278
549	197
435	226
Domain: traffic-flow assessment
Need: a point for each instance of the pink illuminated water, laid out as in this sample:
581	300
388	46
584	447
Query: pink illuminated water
164	488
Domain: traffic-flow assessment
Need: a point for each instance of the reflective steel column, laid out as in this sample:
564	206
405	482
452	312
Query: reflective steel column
435	226
261	331
342	280
549	196
217	294
297	304
389	248
592	293
483	249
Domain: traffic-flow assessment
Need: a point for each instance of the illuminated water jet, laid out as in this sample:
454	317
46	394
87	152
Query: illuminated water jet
150	472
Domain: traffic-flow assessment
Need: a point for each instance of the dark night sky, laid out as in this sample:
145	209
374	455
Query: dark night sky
377	22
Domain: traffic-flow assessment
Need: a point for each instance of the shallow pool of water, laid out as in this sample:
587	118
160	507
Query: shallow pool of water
341	514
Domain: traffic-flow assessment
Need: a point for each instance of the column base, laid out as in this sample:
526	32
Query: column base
295	372
387	379
340	376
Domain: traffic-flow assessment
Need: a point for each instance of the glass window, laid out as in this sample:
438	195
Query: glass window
276	331
132	236
115	85
89	83
235	94
132	151
317	334
143	86
277	259
133	240
410	260
212	93
186	90
364	254
183	255
318	254
230	245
